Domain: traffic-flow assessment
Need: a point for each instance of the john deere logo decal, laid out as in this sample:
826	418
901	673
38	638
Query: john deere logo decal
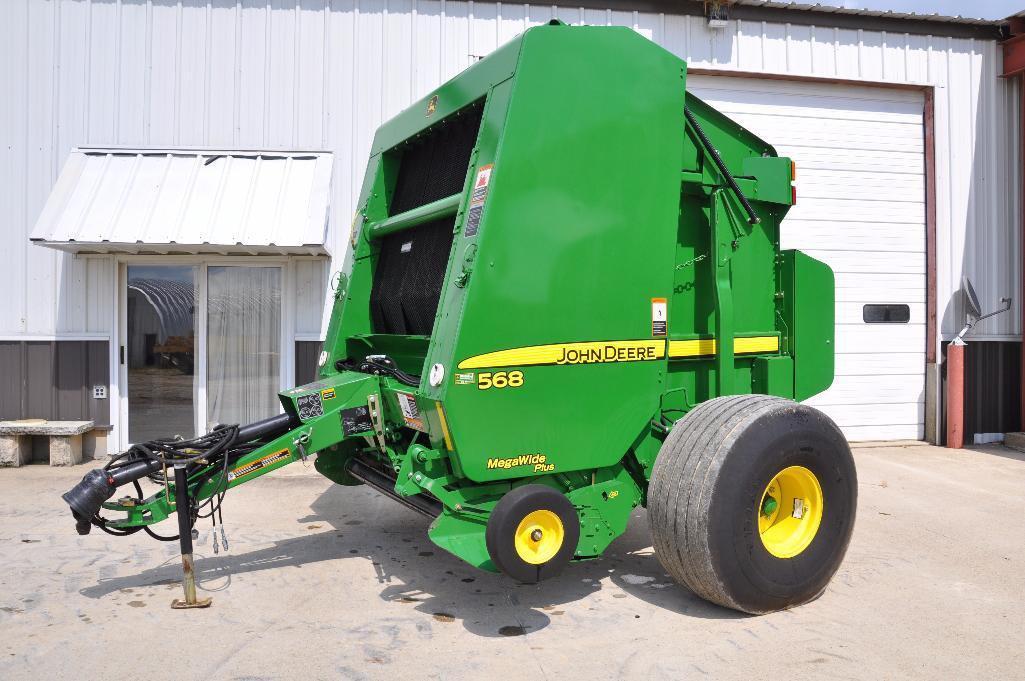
432	105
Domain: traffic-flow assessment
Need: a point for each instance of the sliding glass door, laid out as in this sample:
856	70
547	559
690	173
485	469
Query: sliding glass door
201	345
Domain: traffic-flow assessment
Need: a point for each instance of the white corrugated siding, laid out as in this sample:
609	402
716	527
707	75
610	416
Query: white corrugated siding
124	200
313	74
861	209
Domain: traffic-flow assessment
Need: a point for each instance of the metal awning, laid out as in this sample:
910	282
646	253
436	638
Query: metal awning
113	200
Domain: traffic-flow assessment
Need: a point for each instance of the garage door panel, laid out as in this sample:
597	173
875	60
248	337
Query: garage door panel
824	184
804	133
853	160
739	102
880	337
858	236
869	262
853	415
792	142
777	88
882	390
883	432
861	209
875	363
873	288
855	210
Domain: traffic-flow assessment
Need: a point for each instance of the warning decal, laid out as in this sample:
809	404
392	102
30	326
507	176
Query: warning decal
356	420
658	316
309	406
254	466
410	412
480	193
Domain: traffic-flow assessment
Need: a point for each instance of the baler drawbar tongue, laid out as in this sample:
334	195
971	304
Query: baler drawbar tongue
200	472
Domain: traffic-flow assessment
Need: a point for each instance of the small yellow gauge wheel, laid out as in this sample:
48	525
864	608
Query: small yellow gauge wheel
790	512
532	533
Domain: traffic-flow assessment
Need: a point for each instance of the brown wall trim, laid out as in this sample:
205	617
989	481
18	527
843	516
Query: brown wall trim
928	125
798	78
1014	56
800	17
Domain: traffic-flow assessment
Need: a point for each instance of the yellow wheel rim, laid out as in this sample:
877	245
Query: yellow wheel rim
539	537
790	512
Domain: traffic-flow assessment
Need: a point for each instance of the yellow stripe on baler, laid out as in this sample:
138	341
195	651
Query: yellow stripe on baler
704	347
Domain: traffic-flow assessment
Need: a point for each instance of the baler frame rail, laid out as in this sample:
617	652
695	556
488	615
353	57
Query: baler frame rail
421	503
442	208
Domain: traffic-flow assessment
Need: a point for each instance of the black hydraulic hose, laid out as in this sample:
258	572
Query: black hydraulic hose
386	365
717	159
378	365
131	472
267	428
204	458
150	532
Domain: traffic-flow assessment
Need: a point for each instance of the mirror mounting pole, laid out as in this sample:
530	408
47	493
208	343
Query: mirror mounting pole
973	314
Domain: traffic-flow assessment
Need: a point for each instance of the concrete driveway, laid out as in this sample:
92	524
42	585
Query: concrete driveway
330	582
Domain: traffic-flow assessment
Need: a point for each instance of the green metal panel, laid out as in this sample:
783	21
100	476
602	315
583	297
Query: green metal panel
576	240
809	314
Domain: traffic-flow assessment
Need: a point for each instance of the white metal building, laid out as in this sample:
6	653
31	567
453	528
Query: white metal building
905	137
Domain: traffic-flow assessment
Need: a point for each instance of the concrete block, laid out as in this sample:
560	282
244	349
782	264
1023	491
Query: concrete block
94	445
44	427
15	450
65	450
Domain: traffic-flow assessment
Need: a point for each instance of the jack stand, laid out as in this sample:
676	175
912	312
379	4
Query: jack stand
182	506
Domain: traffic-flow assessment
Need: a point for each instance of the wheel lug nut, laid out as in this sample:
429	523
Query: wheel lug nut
536	535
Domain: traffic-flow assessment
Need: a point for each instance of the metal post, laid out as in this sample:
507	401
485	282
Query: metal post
182	507
955	395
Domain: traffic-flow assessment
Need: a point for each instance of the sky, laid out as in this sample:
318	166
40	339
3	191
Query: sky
976	9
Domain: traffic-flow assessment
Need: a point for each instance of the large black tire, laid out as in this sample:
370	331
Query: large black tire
509	518
709	486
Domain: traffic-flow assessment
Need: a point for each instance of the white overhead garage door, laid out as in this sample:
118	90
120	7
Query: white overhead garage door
861	209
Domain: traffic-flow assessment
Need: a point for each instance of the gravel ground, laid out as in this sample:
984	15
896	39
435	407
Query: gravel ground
330	582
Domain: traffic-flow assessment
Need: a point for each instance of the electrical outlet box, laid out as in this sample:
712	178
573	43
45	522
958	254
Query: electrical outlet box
99	392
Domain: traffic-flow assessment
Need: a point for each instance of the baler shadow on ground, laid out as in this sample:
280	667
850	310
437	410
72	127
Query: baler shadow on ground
412	571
